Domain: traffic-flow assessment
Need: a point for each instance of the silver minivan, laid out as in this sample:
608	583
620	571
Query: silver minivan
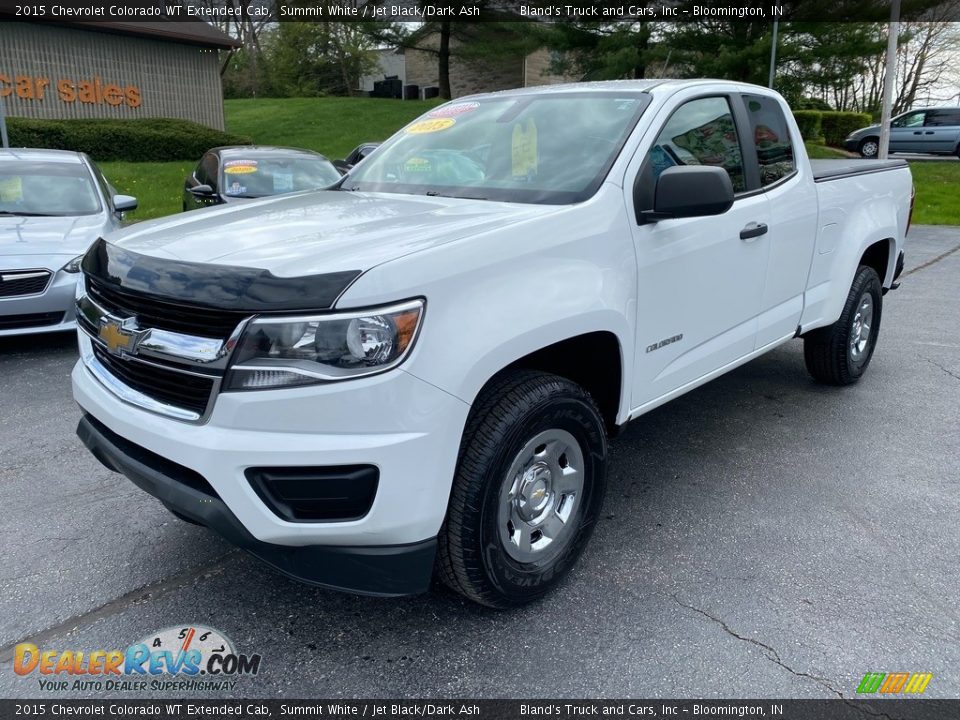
930	130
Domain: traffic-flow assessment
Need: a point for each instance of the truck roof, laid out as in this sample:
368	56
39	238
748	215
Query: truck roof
617	86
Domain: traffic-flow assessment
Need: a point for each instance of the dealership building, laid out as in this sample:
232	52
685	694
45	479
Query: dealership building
61	70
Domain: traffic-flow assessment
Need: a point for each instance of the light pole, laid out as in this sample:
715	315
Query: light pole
773	53
4	140
888	78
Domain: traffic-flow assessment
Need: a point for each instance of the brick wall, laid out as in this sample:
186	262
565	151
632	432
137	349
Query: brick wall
538	72
467	75
174	79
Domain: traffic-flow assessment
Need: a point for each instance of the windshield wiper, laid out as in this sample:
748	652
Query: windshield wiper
24	214
434	193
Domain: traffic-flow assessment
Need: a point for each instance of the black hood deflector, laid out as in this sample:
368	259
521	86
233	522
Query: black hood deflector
216	286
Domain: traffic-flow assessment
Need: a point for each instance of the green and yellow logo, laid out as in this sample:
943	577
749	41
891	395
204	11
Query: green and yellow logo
894	683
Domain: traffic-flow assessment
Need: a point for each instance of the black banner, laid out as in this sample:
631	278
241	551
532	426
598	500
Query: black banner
599	11
840	709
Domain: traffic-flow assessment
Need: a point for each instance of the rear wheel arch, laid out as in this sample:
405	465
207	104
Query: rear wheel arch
880	255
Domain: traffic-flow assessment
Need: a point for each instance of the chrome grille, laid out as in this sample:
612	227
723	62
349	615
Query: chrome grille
169	386
14	283
159	370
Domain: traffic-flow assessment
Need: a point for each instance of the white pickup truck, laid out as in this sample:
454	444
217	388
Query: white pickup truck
415	373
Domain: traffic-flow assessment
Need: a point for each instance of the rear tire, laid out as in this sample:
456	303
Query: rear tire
527	490
869	148
840	353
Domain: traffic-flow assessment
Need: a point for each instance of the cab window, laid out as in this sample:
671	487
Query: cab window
700	132
771	137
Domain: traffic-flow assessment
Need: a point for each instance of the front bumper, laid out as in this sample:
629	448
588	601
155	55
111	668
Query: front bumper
852	145
407	429
373	570
53	310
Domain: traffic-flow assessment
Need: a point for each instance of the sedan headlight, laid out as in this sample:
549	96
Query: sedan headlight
73	266
279	352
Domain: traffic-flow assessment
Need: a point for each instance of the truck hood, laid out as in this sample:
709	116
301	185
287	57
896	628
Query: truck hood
318	232
53	237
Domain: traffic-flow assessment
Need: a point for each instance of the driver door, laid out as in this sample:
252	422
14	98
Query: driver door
700	279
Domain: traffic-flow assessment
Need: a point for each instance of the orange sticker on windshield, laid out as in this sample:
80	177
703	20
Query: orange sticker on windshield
431	126
240	169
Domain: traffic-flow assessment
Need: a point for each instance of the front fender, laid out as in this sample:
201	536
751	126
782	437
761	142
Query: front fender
498	296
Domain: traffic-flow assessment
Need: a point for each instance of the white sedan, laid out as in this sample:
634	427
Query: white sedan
53	205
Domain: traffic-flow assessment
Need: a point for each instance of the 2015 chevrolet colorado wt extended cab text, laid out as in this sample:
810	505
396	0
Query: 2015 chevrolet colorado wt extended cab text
417	371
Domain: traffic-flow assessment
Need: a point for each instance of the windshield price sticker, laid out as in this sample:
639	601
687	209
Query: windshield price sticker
431	126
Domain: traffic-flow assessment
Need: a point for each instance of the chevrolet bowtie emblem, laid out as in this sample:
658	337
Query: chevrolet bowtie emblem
120	336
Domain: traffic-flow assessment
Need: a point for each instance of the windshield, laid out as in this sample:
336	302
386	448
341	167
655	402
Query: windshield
549	148
46	188
261	175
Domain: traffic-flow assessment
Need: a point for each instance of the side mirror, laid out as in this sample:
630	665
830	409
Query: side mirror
201	190
689	191
124	203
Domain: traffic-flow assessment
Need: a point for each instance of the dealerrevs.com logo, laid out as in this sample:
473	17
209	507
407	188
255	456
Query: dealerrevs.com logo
178	658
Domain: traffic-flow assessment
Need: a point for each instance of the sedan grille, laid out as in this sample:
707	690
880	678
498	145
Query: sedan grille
17	322
23	282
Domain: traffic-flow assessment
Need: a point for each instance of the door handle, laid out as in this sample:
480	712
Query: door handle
917	132
753	230
928	132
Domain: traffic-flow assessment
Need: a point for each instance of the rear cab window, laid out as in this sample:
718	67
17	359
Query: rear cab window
771	138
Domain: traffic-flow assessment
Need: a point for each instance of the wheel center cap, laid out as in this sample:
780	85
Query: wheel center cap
534	491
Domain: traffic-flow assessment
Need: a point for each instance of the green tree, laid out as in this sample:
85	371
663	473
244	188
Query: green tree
306	59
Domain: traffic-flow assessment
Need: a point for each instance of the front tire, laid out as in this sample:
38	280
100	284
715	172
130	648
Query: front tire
527	491
840	353
869	148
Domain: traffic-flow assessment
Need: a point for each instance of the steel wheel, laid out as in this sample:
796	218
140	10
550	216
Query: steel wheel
540	497
860	328
869	148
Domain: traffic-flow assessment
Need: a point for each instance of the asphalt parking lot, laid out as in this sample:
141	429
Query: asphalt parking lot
762	536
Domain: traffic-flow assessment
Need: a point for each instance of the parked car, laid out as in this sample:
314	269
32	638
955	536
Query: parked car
355	156
931	130
243	172
53	205
420	369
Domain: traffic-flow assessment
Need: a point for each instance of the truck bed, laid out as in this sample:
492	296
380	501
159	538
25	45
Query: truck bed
827	170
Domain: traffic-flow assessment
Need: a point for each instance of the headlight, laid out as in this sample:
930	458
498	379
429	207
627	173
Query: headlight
278	352
73	266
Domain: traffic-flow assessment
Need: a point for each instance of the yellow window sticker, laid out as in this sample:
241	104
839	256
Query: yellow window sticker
11	189
431	126
525	149
240	167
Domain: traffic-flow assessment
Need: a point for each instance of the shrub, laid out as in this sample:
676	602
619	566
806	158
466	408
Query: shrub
837	125
809	123
140	140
